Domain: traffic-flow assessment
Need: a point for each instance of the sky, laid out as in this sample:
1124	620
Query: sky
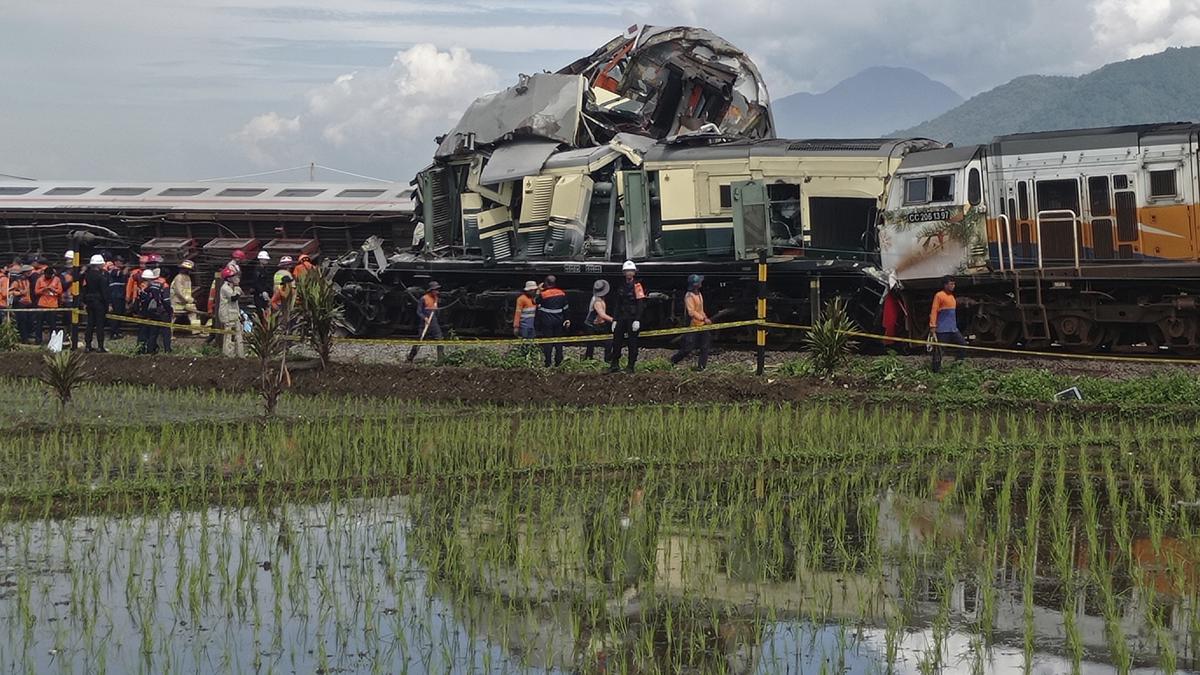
195	89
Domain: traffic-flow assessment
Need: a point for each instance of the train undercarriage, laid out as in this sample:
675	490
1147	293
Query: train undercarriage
1133	308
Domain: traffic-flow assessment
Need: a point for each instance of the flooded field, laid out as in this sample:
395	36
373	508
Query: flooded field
1076	559
832	536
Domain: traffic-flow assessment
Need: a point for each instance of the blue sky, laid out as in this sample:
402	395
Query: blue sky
188	89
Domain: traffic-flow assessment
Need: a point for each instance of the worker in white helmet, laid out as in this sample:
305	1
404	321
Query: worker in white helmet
627	311
95	301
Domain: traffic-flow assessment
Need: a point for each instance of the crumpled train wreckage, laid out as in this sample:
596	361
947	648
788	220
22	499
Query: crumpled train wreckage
530	171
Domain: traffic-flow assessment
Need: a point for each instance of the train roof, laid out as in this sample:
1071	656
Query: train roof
939	159
356	198
1069	140
697	150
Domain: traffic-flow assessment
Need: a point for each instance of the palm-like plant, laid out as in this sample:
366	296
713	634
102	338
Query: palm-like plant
829	342
63	373
268	342
320	312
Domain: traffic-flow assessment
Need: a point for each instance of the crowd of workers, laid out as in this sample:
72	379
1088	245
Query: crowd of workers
141	290
543	311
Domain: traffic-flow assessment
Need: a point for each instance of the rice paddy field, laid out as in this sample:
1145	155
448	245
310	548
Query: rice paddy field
146	531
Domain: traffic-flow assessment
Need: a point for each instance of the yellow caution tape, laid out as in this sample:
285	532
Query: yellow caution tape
564	340
1002	350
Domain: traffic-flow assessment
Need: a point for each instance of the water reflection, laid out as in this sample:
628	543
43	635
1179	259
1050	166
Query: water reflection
758	574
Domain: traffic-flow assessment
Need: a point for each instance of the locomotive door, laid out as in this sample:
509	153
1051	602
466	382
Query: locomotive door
1103	228
1017	208
1057	220
751	219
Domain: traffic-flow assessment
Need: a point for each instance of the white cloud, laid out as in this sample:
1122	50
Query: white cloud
1133	28
375	112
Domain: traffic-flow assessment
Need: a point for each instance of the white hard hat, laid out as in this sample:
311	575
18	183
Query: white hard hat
628	266
69	255
96	259
263	255
531	285
149	274
285	260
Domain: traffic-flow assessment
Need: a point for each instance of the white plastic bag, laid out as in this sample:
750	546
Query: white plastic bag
56	342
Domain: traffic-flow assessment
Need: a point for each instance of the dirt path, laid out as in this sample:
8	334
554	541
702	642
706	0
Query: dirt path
425	383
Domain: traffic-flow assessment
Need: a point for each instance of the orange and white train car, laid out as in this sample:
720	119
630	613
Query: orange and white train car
1085	238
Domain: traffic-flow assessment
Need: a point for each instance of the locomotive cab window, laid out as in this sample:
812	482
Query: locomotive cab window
916	190
1162	184
726	196
941	188
974	187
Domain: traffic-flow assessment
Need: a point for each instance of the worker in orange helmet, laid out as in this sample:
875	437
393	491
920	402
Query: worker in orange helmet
303	266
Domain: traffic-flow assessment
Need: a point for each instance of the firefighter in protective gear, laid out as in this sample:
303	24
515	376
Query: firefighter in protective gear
285	294
627	318
693	305
182	299
551	321
523	317
230	312
285	270
427	320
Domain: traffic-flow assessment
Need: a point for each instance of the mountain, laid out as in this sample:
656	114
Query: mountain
868	104
1157	88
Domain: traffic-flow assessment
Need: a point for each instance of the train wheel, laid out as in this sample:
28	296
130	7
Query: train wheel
992	331
1078	334
1180	334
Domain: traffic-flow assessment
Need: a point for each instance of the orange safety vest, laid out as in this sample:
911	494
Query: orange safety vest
526	308
131	285
303	267
48	292
694	304
20	288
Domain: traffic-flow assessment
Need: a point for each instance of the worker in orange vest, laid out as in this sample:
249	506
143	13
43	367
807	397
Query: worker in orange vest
49	291
553	308
304	266
427	320
21	290
943	323
526	309
693	305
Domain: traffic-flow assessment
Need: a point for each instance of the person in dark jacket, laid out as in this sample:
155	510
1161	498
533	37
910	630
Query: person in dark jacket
154	304
551	319
627	318
118	277
95	301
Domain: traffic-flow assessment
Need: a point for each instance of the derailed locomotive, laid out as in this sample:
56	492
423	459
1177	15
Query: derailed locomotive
658	148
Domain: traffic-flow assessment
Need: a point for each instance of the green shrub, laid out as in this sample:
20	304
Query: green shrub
9	336
320	312
63	373
828	342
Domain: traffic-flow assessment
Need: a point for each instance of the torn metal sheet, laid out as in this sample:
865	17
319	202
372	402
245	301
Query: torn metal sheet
653	83
543	106
516	160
